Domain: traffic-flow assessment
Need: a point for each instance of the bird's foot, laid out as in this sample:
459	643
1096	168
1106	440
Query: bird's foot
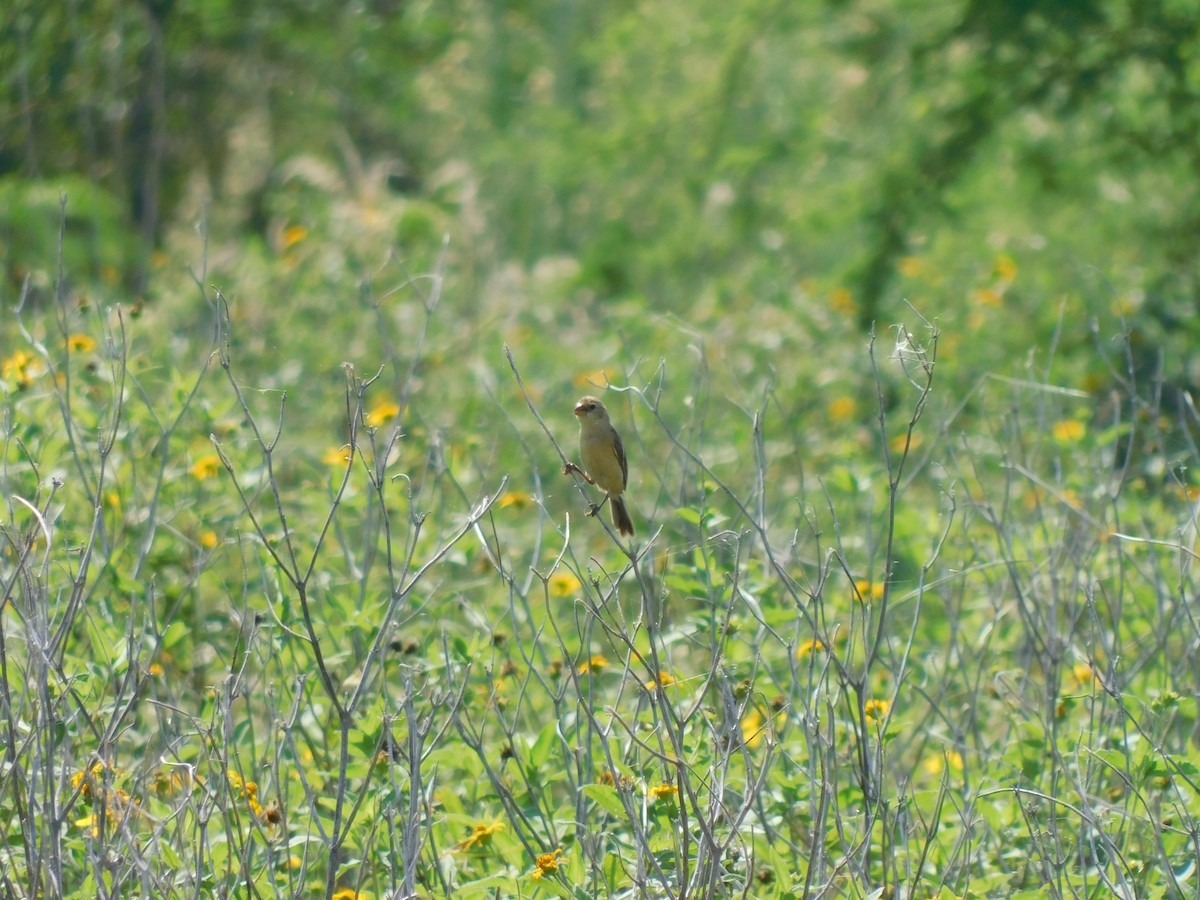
569	468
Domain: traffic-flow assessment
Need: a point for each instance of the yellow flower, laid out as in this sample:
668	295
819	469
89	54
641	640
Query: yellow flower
564	584
479	837
1068	431
597	378
876	710
245	789
518	499
154	670
988	297
293	863
596	663
349	894
753	731
292	235
1083	675
383	411
1188	492
338	456
811	646
205	467
664	679
252	799
546	864
18	368
842	409
910	266
938	762
867	590
1005	268
80	343
83	780
841	300
661	790
89	824
905	441
208	539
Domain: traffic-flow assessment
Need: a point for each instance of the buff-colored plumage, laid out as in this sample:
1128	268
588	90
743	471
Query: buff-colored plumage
603	457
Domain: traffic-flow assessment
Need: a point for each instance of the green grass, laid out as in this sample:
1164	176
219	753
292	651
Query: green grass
895	623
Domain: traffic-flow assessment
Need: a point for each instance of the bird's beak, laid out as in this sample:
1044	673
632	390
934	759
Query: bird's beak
579	409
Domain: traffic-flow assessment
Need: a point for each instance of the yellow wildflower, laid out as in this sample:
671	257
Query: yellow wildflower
382	412
876	710
18	368
661	790
988	297
90	824
292	235
935	764
664	679
479	837
841	300
753	731
245	789
867	590
546	864
910	266
338	456
205	467
810	646
1005	268
518	499
208	539
597	378
905	441
1068	431
842	409
80	343
1083	675
84	779
596	663
564	584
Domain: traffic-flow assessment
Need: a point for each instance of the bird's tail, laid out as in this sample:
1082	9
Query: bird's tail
621	516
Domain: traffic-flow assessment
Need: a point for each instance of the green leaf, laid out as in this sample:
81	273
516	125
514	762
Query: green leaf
606	797
542	747
176	632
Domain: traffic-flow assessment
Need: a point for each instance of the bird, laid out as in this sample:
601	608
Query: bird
603	458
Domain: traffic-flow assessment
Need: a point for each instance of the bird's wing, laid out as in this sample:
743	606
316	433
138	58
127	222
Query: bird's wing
619	449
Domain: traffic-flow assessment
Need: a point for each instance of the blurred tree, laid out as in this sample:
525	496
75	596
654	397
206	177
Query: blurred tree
1127	67
139	97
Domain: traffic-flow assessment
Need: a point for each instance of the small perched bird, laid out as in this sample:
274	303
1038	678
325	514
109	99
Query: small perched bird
603	457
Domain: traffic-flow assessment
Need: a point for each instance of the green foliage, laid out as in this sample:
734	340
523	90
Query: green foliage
294	600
